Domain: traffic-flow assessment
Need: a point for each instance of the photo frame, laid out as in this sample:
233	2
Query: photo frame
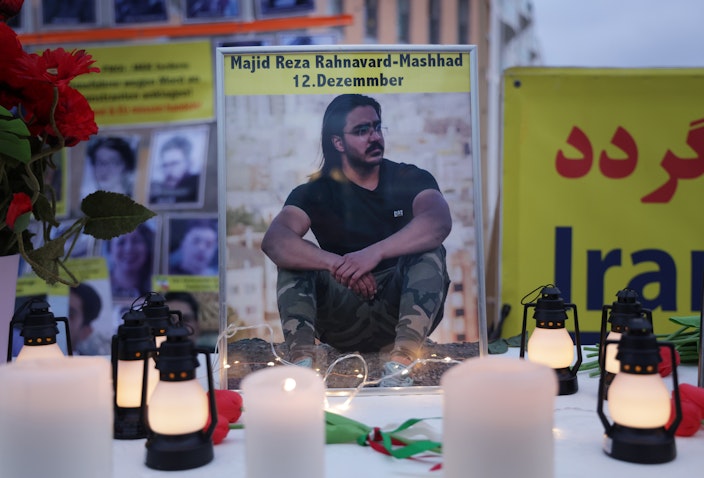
211	10
130	12
272	102
132	260
111	164
279	8
177	167
191	244
69	14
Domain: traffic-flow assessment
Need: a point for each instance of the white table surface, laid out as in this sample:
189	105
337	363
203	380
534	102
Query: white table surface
578	433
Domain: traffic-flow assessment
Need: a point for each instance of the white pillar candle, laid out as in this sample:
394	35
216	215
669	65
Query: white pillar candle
284	423
498	418
56	418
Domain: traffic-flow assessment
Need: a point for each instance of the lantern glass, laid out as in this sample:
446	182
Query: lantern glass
39	352
612	365
129	378
639	400
551	347
177	408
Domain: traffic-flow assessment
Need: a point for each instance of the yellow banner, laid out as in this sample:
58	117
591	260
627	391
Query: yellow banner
603	188
150	83
297	73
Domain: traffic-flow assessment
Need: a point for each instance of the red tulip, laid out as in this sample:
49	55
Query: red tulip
665	366
228	404
693	394
222	428
21	204
691	418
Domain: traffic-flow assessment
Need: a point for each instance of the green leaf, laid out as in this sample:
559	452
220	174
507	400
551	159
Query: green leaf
514	341
498	346
22	222
112	214
14	137
47	258
688	321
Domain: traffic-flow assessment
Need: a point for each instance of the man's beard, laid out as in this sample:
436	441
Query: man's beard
362	164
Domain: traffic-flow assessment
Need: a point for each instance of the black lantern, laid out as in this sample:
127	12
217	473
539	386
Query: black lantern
38	327
158	316
178	409
639	401
550	343
618	315
130	346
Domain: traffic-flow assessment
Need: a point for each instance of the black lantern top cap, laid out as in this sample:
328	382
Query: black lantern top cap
550	306
178	357
157	313
39	322
624	309
638	349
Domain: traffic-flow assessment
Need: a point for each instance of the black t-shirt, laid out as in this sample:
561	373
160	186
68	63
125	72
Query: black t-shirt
346	218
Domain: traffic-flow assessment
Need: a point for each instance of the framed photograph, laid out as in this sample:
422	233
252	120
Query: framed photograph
312	39
110	164
277	8
311	139
128	12
69	14
211	10
132	260
177	165
192	245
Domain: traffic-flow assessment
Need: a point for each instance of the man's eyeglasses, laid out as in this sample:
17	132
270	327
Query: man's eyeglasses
365	130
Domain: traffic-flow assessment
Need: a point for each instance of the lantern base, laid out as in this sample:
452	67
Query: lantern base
567	381
179	452
637	445
129	424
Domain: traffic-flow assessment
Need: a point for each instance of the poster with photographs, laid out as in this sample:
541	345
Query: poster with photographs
275	103
308	39
69	14
177	165
110	164
129	12
57	180
211	10
132	260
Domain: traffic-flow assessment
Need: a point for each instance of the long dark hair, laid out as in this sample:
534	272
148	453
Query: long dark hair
334	123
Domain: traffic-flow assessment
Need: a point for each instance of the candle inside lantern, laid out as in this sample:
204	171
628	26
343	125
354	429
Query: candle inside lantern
56	417
494	406
284	423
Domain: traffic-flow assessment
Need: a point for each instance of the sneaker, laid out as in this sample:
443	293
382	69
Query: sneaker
304	362
394	375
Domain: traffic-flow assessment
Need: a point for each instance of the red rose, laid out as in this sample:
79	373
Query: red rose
21	204
9	8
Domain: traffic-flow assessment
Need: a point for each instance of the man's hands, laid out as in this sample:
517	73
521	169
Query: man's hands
353	270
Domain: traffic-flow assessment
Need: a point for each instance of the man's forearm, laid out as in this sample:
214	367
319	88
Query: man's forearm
289	251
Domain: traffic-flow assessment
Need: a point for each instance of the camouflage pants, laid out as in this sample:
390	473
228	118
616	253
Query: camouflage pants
406	309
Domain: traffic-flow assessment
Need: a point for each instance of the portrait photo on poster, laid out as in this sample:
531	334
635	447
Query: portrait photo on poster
177	164
69	13
352	169
273	8
126	12
132	260
211	10
110	164
192	244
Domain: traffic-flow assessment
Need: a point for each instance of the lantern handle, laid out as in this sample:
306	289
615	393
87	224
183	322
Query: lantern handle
608	427
211	394
675	389
577	339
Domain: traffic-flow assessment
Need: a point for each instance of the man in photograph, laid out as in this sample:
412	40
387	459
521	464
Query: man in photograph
195	252
178	183
377	278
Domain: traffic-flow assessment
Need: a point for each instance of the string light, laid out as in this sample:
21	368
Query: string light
362	374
